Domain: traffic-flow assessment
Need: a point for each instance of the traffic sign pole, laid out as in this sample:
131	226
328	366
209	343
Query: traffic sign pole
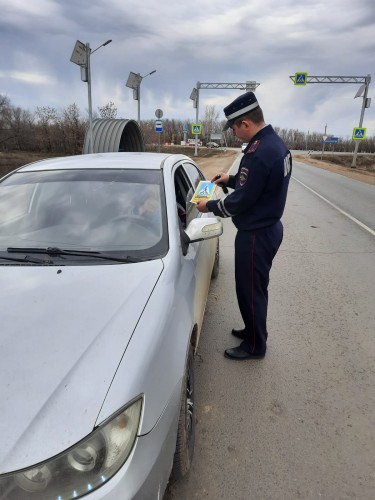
368	80
196	119
159	125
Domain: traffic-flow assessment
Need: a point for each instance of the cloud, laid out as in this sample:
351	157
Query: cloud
263	40
32	78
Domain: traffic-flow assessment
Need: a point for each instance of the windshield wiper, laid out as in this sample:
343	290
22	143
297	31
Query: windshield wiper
27	259
57	252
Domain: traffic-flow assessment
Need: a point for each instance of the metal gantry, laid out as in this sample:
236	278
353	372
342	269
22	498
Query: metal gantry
334	79
241	86
194	96
364	80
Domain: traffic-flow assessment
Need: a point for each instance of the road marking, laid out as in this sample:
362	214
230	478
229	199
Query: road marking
363	226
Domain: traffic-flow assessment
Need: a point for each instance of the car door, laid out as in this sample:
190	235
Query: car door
202	254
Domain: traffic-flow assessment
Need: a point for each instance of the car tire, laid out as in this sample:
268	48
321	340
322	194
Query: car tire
215	269
186	426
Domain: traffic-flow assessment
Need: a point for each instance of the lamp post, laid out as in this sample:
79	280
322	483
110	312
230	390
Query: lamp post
134	82
81	56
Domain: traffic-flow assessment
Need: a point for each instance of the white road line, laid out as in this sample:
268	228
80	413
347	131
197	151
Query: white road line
363	226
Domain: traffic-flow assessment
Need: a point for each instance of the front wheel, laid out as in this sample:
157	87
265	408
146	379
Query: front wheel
186	425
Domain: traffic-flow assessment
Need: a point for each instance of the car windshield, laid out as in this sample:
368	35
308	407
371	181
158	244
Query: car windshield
116	212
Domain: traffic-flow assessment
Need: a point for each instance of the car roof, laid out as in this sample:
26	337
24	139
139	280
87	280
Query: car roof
146	161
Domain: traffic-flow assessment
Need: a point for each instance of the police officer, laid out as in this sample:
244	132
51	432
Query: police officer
256	206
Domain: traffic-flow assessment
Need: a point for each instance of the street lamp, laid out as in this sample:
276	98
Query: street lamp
134	82
81	56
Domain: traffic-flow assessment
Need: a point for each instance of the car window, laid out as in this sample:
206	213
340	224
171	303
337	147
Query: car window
101	210
182	187
195	177
185	188
194	174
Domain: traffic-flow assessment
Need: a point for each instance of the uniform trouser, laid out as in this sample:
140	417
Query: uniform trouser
254	252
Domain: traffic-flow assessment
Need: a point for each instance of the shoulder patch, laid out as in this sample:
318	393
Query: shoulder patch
253	147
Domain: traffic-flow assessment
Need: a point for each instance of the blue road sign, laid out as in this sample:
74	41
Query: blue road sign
158	126
196	128
359	134
300	79
331	140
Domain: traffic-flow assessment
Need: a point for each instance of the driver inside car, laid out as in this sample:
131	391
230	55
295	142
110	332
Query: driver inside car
150	208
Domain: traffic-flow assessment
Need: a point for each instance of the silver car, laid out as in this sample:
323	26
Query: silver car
105	271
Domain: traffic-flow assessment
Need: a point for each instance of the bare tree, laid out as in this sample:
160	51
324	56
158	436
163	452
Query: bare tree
109	110
16	126
72	130
210	122
47	118
5	111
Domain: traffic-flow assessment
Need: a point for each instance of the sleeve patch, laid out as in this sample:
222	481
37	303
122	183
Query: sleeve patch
244	172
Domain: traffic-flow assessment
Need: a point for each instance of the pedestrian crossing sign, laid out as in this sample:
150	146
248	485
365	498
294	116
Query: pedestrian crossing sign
359	134
196	128
300	79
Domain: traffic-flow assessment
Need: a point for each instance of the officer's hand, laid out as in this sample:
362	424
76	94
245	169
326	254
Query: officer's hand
201	206
221	178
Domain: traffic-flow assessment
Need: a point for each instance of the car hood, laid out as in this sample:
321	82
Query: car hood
63	334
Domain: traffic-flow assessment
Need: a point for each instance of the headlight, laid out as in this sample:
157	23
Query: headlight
81	469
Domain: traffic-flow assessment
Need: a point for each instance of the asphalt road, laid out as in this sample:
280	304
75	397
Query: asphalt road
356	198
300	423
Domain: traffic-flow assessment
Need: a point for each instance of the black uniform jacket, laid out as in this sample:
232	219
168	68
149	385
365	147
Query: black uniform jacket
260	185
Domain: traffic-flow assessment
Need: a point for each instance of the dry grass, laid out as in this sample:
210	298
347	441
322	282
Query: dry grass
11	160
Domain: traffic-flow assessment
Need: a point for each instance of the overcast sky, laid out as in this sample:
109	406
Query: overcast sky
188	41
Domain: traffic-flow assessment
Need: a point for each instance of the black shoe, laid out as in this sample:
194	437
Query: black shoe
239	354
240	334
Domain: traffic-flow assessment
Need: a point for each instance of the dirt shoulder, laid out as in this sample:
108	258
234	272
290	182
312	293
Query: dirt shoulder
214	164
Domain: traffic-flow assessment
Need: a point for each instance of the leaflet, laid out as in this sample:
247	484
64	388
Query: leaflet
204	191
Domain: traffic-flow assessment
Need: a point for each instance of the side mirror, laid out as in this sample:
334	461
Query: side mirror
200	229
204	229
